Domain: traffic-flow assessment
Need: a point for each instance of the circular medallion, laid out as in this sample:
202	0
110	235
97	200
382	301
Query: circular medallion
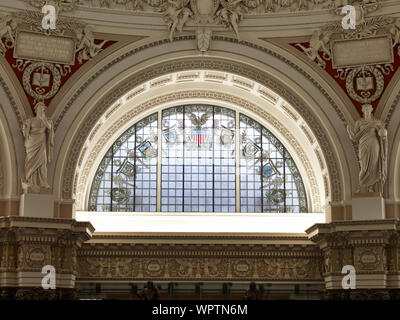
365	85
41	80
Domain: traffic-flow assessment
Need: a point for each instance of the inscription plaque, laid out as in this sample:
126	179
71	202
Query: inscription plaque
358	52
39	47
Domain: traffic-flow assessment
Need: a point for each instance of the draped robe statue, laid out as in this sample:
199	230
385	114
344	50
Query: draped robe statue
371	136
39	139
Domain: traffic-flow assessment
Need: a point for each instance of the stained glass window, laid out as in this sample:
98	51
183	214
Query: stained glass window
269	179
204	150
198	160
126	180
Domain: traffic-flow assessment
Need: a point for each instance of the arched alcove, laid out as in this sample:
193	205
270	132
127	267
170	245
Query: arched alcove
88	105
223	89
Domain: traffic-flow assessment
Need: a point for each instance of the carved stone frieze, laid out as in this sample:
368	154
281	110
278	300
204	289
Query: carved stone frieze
229	13
254	6
198	262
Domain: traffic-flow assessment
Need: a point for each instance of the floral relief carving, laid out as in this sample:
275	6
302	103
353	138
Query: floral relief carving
185	267
107	267
287	268
95	263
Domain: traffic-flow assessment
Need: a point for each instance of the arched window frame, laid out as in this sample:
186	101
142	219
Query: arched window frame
158	142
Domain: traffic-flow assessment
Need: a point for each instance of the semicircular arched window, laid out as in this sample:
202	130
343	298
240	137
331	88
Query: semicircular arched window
197	158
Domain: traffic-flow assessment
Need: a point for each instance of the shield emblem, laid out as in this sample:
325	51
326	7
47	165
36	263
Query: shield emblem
227	136
250	150
127	168
269	170
204	10
147	149
170	135
199	137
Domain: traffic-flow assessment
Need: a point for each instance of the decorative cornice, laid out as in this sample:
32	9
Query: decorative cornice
29	222
394	222
196	237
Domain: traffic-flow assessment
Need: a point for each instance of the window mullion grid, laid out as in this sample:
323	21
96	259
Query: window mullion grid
112	178
135	175
159	160
237	160
284	180
261	172
213	163
183	156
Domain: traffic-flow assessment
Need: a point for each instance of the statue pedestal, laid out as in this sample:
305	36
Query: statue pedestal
37	205
368	206
28	244
369	248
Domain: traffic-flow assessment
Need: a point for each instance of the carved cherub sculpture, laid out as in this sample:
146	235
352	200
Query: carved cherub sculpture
7	28
231	14
319	42
87	47
176	14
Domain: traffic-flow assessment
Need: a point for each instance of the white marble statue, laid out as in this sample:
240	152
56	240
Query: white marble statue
39	140
371	137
